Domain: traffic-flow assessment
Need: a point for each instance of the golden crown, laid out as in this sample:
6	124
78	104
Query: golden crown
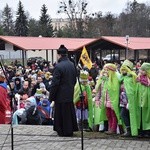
84	74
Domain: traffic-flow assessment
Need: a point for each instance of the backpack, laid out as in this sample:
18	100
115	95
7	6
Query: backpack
32	116
45	112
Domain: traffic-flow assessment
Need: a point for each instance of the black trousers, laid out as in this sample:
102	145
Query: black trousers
125	116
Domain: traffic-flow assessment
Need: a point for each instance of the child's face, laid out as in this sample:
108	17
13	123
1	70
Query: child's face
124	71
84	82
17	82
105	73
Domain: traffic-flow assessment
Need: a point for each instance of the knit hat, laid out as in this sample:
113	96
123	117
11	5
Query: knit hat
45	102
10	67
84	75
128	63
62	50
31	101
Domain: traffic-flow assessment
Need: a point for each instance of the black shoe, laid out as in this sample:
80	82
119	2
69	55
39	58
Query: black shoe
146	136
127	134
141	135
103	131
68	135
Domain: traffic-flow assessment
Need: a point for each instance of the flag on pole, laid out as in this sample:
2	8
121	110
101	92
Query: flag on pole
85	58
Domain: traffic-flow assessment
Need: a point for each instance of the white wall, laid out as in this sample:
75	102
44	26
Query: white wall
9	53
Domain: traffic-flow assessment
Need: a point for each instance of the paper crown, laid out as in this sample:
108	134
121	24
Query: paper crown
128	63
111	66
84	75
146	67
38	93
48	75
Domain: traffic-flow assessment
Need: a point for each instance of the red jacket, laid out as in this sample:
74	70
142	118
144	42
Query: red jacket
85	102
3	103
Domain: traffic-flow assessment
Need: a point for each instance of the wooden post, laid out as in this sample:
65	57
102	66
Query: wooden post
46	55
23	58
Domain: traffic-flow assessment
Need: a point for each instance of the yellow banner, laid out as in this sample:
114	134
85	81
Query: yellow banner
85	58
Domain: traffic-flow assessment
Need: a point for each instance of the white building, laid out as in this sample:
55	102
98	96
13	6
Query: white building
59	23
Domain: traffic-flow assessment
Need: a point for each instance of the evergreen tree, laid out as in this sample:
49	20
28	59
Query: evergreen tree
1	30
33	27
7	21
45	23
21	25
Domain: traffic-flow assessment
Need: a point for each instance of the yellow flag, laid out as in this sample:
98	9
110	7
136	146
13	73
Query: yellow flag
85	58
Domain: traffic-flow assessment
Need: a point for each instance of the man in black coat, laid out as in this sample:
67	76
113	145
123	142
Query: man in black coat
61	91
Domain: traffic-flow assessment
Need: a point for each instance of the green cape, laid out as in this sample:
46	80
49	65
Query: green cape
77	93
97	109
111	85
143	106
130	87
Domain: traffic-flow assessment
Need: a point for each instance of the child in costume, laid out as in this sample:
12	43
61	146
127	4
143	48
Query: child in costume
143	100
102	124
87	101
110	99
127	98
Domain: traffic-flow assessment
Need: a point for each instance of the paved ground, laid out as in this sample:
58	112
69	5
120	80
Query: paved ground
44	138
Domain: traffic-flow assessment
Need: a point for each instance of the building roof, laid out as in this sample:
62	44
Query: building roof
46	43
134	43
73	44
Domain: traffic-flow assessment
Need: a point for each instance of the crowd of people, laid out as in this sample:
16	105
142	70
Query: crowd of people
115	98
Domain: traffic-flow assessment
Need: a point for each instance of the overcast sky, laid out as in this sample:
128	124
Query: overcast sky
34	6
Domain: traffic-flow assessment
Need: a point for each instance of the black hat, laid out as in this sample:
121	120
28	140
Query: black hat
62	50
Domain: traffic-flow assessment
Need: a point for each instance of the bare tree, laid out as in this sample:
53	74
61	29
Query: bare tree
75	12
135	20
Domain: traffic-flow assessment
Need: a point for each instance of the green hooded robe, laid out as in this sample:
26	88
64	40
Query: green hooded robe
143	106
143	100
111	85
130	87
97	109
